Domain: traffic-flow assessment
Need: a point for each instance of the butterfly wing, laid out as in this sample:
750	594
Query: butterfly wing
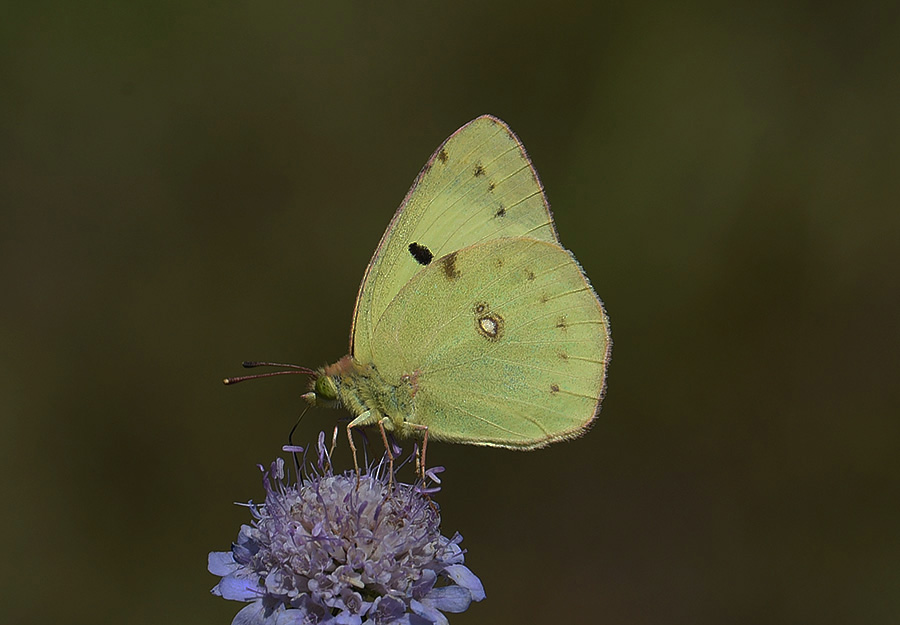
504	343
479	185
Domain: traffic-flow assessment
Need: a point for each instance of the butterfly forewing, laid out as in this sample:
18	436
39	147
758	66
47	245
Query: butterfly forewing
503	343
478	186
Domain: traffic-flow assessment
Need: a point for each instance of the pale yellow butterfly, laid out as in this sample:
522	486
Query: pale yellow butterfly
473	324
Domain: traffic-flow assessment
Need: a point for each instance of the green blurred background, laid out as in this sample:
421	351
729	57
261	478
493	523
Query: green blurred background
185	185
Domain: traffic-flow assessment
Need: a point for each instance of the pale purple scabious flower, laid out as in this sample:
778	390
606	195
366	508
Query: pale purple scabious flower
322	551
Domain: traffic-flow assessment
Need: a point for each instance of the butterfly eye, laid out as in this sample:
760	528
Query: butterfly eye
325	387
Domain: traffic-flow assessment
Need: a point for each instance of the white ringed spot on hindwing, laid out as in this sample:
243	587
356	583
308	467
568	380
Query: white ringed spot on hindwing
488	324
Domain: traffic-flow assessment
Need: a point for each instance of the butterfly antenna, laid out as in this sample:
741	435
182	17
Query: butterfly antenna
249	364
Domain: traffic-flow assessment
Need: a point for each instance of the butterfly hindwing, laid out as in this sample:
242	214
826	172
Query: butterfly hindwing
504	343
478	186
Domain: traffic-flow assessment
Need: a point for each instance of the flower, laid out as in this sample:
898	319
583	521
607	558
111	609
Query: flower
330	550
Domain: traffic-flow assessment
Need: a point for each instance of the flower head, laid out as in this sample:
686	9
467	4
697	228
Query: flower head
324	550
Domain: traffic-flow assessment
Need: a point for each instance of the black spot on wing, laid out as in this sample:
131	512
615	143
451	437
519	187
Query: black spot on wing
501	212
554	389
479	170
442	155
491	187
420	253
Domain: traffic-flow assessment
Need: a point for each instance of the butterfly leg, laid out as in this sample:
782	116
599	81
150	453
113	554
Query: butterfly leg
353	449
366	418
420	461
390	455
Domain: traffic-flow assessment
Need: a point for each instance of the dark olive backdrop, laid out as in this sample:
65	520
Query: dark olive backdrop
184	185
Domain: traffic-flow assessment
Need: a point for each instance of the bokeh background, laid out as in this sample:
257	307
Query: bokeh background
185	185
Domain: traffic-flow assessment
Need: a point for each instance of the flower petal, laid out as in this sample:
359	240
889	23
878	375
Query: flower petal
422	587
221	563
467	579
428	613
237	588
292	617
454	599
346	618
253	614
388	609
409	619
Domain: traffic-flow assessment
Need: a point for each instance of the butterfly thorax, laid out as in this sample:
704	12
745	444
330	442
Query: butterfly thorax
360	388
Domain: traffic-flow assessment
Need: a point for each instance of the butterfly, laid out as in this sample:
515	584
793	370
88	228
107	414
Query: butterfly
472	323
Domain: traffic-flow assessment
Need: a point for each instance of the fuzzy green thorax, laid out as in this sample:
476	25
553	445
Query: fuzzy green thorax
360	389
